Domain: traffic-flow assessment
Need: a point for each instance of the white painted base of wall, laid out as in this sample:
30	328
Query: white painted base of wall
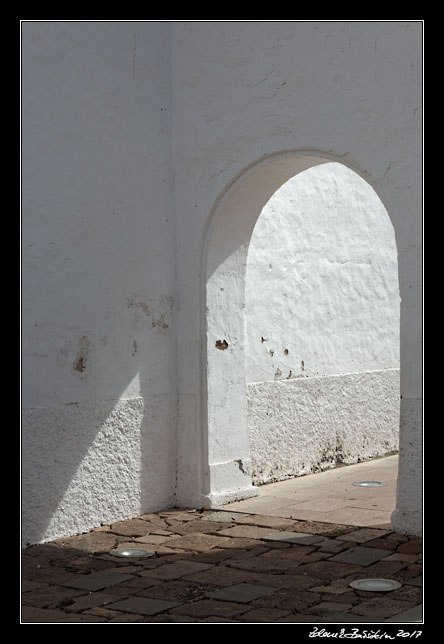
232	479
312	424
95	462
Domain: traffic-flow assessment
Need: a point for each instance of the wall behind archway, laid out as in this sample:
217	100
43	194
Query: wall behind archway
322	327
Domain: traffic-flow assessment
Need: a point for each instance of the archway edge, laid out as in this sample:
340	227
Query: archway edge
288	163
225	459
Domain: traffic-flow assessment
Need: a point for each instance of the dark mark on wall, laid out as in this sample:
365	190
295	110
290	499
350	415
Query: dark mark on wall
221	344
82	354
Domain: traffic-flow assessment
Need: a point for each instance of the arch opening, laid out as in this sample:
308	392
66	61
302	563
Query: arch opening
244	369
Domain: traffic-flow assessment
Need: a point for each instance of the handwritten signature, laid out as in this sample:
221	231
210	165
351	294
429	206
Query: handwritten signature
355	633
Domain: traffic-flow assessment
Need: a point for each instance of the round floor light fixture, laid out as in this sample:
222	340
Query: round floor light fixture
369	484
131	552
376	585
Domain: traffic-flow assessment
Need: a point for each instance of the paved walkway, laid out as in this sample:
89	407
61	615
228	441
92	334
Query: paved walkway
331	496
226	566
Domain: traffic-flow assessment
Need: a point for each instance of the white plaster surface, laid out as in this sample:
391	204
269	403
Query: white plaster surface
321	299
98	288
245	96
298	427
148	147
321	288
96	462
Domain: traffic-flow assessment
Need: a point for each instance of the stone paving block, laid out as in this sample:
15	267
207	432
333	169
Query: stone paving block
89	542
399	556
293	601
178	590
224	516
265	521
412	547
331	589
341	618
296	556
33	571
329	570
97	580
27	585
219	576
263	564
249	531
301	538
381	606
176	570
365	534
240	543
209	608
414	614
143	605
91	600
329	607
298	618
49	596
268	615
384	568
416	581
390	541
197	526
130	528
325	529
332	545
242	593
198	542
360	555
124	618
44	615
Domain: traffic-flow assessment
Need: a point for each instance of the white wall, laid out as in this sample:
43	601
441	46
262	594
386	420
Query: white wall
149	148
321	302
249	97
99	381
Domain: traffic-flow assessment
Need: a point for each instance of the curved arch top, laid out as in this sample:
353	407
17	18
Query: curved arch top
225	457
253	186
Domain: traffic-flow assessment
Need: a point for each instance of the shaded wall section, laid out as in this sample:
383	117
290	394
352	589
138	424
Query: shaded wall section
99	385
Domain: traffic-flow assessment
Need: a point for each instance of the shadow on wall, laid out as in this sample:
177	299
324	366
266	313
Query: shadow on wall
101	460
98	338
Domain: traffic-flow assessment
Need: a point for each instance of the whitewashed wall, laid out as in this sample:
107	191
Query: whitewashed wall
149	150
322	326
99	383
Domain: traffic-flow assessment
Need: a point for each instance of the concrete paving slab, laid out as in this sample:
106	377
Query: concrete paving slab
143	605
224	517
414	614
97	580
242	593
301	538
330	496
361	556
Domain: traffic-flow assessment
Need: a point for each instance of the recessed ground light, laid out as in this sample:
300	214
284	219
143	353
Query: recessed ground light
376	585
369	483
131	552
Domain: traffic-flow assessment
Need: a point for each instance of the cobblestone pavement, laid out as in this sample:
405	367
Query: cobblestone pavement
219	567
